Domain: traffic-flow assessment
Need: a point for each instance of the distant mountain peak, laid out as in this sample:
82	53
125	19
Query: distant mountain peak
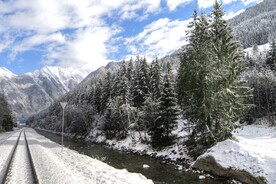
62	71
31	92
5	73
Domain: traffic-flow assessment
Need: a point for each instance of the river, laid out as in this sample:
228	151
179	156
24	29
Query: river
159	172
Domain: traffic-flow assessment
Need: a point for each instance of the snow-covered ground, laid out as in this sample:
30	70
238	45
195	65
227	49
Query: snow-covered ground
6	148
134	144
56	166
4	136
254	151
261	49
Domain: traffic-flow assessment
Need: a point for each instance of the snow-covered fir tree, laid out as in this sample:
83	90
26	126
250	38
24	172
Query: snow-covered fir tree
6	119
271	56
97	100
109	126
210	93
106	90
155	79
116	86
167	113
141	82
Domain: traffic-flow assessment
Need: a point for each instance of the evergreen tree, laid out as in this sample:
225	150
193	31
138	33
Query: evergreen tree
6	118
141	85
116	119
130	78
116	87
271	56
109	127
155	79
98	96
106	91
149	113
124	90
209	91
129	73
167	115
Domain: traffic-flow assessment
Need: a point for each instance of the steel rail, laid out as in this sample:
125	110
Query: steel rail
31	160
10	159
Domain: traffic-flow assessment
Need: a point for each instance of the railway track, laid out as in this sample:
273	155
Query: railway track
20	167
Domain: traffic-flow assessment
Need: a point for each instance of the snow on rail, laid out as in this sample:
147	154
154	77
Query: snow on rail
6	148
55	166
20	170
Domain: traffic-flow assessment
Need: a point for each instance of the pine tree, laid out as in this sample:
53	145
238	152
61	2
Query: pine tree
209	91
116	119
150	113
155	79
98	96
106	91
167	114
150	107
129	73
271	56
130	79
6	118
116	87
124	90
109	127
141	85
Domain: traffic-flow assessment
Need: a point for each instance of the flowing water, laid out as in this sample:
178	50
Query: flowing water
159	172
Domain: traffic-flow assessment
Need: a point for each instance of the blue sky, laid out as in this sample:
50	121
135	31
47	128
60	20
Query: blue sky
87	34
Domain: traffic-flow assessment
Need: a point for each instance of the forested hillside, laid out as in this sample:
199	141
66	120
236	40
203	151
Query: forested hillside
256	25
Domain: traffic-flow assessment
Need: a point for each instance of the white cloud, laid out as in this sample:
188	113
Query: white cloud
38	39
159	38
85	51
205	3
247	2
173	4
73	33
129	11
228	1
208	3
5	42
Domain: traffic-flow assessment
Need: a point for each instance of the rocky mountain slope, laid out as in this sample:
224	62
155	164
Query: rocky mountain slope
32	92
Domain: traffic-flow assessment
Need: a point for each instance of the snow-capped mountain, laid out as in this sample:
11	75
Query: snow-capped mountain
5	73
32	92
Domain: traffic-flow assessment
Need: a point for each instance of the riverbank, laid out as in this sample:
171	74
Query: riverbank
56	165
253	147
157	171
175	154
250	157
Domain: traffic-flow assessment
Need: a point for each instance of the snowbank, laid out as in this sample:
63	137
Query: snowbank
251	158
6	147
55	166
174	153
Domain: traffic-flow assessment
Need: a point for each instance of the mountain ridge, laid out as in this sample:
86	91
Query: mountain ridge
30	93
